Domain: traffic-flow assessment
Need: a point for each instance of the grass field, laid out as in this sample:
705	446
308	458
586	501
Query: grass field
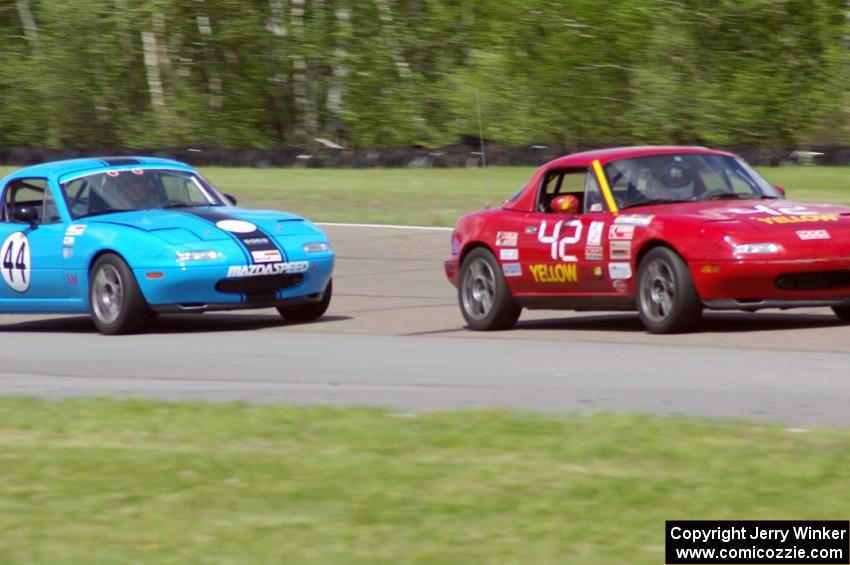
437	197
106	481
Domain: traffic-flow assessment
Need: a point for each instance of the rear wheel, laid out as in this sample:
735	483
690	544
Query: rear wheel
485	300
117	305
666	298
843	312
307	312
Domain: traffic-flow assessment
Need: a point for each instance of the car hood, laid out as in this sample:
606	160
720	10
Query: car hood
203	223
758	215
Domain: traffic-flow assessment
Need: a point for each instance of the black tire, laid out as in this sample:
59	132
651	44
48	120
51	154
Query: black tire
843	312
667	301
116	303
483	295
307	312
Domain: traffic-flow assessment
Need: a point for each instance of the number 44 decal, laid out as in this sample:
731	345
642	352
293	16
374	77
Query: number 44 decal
16	261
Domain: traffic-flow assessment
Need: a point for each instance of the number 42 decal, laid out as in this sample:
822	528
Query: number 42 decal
559	242
16	264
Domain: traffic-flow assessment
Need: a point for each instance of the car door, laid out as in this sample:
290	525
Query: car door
564	252
31	256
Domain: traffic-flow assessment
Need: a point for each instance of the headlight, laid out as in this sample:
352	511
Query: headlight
315	247
756	248
185	256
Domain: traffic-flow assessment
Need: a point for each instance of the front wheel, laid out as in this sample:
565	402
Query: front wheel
485	300
117	304
667	301
307	312
843	312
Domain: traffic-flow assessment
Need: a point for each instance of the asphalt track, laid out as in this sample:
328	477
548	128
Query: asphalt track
394	337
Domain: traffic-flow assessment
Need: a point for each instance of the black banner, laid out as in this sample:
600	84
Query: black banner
766	542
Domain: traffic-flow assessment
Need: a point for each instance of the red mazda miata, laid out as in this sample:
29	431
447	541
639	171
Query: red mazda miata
668	231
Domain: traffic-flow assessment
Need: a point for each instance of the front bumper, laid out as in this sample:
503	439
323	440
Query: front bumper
203	287
188	308
452	266
764	284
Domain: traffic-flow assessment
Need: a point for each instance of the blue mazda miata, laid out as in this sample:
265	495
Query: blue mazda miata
126	237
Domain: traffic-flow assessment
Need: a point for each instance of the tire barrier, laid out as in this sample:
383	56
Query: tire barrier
460	155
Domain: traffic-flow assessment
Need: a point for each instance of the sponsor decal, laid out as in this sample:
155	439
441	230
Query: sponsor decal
593	253
252	239
15	255
621	232
594	233
295	267
137	172
619	271
621	250
530	229
75	229
235	226
506	238
620	286
68	241
596	207
113	174
783	214
559	242
71	279
509	254
512	269
67	253
634	219
770	211
597	272
267	256
560	273
799	219
813	234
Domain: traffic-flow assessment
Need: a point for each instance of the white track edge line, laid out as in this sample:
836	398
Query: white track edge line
389	226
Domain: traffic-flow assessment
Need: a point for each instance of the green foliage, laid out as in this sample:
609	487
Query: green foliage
389	72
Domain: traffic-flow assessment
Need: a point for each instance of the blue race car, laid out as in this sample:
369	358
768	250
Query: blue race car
127	237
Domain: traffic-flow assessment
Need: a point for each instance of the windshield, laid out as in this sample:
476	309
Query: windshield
684	177
137	189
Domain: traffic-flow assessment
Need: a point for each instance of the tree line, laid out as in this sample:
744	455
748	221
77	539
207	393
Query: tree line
367	73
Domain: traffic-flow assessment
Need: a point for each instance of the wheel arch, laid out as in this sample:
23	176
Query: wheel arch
100	253
651	244
470	246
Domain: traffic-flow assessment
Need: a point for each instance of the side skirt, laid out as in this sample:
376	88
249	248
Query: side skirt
623	303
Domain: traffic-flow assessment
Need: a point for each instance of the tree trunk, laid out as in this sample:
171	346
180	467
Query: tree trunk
152	67
304	124
213	78
27	21
336	89
276	26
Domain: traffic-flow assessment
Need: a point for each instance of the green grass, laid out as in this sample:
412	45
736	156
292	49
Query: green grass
106	481
438	196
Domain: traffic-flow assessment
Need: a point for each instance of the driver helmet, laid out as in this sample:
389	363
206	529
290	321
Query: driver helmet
130	190
565	204
673	182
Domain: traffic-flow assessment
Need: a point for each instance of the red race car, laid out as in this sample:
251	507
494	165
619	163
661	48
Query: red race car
667	231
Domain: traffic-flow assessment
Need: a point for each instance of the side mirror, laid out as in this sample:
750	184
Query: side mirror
231	198
27	215
780	189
